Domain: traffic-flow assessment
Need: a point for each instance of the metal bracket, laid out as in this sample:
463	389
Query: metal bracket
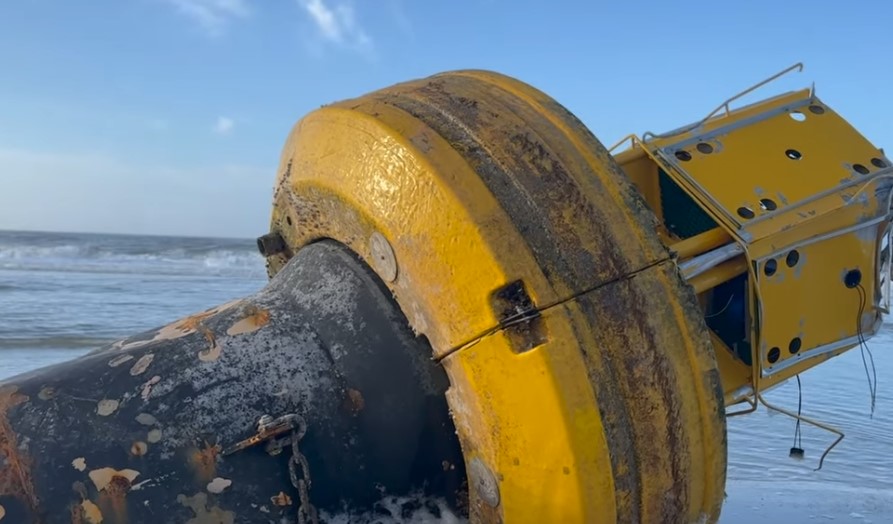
268	429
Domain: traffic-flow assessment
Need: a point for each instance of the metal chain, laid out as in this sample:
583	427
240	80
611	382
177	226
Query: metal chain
307	513
268	429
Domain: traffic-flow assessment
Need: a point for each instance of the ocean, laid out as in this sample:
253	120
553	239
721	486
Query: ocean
62	294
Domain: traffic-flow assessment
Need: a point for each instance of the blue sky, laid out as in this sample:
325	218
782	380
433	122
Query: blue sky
167	116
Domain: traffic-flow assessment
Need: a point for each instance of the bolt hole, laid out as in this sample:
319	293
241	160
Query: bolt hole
745	212
794	346
859	168
852	278
877	162
705	148
768	204
773	355
770	267
793	154
288	219
685	156
818	110
792	258
797	115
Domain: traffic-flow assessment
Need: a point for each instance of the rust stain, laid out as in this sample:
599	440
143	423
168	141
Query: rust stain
204	462
139	448
112	500
212	352
281	499
15	477
142	364
77	514
354	402
102	478
256	319
192	323
180	328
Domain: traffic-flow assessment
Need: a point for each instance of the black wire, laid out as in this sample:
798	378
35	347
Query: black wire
798	442
871	377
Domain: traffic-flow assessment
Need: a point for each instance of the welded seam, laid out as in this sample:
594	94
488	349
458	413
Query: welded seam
524	316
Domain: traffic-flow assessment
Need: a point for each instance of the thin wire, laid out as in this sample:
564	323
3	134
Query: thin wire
798	438
725	307
871	377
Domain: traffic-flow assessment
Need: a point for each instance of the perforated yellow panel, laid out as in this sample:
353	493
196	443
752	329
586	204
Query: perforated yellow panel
789	176
773	166
806	305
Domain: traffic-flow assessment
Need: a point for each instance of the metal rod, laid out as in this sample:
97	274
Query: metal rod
717	275
697	265
750	402
649	135
701	243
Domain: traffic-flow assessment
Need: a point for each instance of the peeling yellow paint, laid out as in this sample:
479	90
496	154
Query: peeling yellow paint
79	463
2	512
180	328
147	386
106	407
154	436
218	485
142	364
91	512
256	319
103	477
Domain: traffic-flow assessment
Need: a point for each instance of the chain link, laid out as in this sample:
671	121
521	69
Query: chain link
268	429
307	513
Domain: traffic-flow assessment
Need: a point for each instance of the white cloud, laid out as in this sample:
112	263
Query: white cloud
212	15
224	125
337	24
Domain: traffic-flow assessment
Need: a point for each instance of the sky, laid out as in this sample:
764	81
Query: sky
168	116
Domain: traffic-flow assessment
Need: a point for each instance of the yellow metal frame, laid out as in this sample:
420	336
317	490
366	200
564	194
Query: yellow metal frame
479	183
825	196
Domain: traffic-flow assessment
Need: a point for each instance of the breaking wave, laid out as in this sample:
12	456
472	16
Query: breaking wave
130	254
